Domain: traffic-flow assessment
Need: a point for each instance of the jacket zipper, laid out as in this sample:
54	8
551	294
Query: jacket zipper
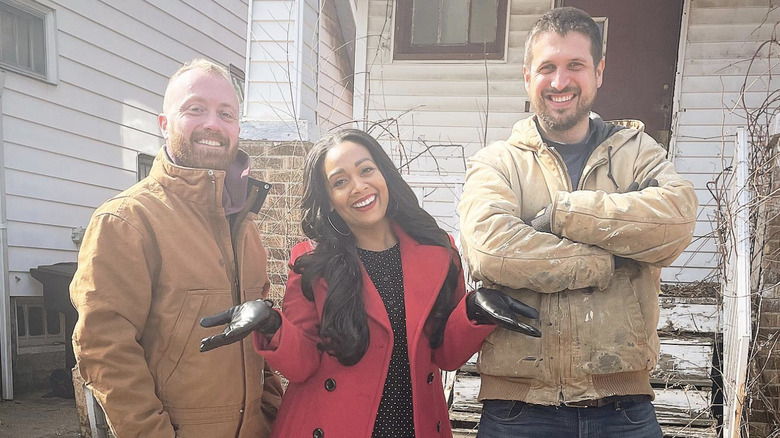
234	232
561	166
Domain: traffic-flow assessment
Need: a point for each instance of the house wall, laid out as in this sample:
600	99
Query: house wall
335	81
271	72
722	37
69	146
299	74
446	103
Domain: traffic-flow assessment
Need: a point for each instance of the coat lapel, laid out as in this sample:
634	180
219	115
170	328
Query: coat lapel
425	268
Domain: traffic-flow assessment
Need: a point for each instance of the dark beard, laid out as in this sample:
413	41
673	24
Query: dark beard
561	125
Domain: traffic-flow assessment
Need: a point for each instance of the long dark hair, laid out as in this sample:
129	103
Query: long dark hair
344	325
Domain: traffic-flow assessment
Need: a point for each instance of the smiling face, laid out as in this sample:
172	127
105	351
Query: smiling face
200	120
562	81
356	188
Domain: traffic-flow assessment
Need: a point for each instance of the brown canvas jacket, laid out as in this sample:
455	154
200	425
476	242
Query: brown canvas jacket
154	260
598	323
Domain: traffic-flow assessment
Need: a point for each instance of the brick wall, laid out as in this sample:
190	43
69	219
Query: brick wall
763	404
281	165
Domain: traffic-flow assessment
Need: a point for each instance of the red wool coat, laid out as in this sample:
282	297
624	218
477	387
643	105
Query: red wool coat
328	400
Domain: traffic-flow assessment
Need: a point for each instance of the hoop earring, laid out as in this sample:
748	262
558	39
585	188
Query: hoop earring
337	230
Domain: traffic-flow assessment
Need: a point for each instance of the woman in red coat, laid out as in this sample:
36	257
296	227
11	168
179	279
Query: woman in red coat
375	305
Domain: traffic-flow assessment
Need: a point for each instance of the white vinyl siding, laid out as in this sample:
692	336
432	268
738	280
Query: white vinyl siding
335	72
70	146
722	37
273	55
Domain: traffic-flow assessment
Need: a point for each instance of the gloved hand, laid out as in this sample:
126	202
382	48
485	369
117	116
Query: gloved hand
634	187
637	187
241	320
489	306
543	220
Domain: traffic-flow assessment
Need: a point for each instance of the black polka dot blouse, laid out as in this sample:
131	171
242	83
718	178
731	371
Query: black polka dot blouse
395	418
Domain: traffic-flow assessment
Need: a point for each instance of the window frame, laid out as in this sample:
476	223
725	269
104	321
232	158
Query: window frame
404	50
35	8
27	341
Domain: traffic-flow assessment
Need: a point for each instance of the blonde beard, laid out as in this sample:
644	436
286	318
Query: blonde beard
186	154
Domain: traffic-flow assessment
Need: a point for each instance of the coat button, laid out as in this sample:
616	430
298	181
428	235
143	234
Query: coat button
330	384
430	378
318	433
438	426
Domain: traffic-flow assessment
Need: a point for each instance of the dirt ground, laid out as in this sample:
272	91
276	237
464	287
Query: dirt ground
31	415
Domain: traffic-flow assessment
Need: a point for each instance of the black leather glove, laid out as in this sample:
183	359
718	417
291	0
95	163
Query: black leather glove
489	306
241	320
637	187
543	220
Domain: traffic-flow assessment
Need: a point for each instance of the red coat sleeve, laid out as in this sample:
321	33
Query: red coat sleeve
293	349
462	338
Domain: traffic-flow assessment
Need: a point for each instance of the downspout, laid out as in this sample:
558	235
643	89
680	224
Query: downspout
678	80
248	61
5	294
360	91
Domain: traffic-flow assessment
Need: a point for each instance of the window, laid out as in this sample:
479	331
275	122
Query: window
450	29
144	165
23	39
35	326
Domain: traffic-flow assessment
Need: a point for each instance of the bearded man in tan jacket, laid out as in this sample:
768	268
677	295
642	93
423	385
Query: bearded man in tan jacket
575	217
179	245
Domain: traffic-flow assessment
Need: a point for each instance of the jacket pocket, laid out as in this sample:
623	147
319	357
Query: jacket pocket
253	293
610	334
182	367
509	354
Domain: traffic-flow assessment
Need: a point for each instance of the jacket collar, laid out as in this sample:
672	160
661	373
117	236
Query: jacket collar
525	134
202	186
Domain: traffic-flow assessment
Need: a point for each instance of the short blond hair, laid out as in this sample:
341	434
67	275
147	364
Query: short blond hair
206	65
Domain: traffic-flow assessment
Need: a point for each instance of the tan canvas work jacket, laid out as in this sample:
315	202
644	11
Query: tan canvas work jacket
154	260
598	323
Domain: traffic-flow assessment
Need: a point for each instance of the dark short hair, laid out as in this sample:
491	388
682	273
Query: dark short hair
562	21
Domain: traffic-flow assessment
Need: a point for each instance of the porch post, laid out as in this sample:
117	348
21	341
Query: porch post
5	295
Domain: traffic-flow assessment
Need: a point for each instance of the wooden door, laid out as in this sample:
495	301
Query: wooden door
642	39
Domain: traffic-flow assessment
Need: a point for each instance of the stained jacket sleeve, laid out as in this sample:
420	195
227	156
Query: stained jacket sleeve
502	249
112	292
462	337
293	348
654	225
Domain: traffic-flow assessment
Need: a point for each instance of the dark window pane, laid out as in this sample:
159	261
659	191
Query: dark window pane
425	22
7	35
23	43
52	322
37	46
483	21
22	39
455	22
450	29
21	324
35	323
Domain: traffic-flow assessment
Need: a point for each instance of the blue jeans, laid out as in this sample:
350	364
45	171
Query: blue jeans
510	419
